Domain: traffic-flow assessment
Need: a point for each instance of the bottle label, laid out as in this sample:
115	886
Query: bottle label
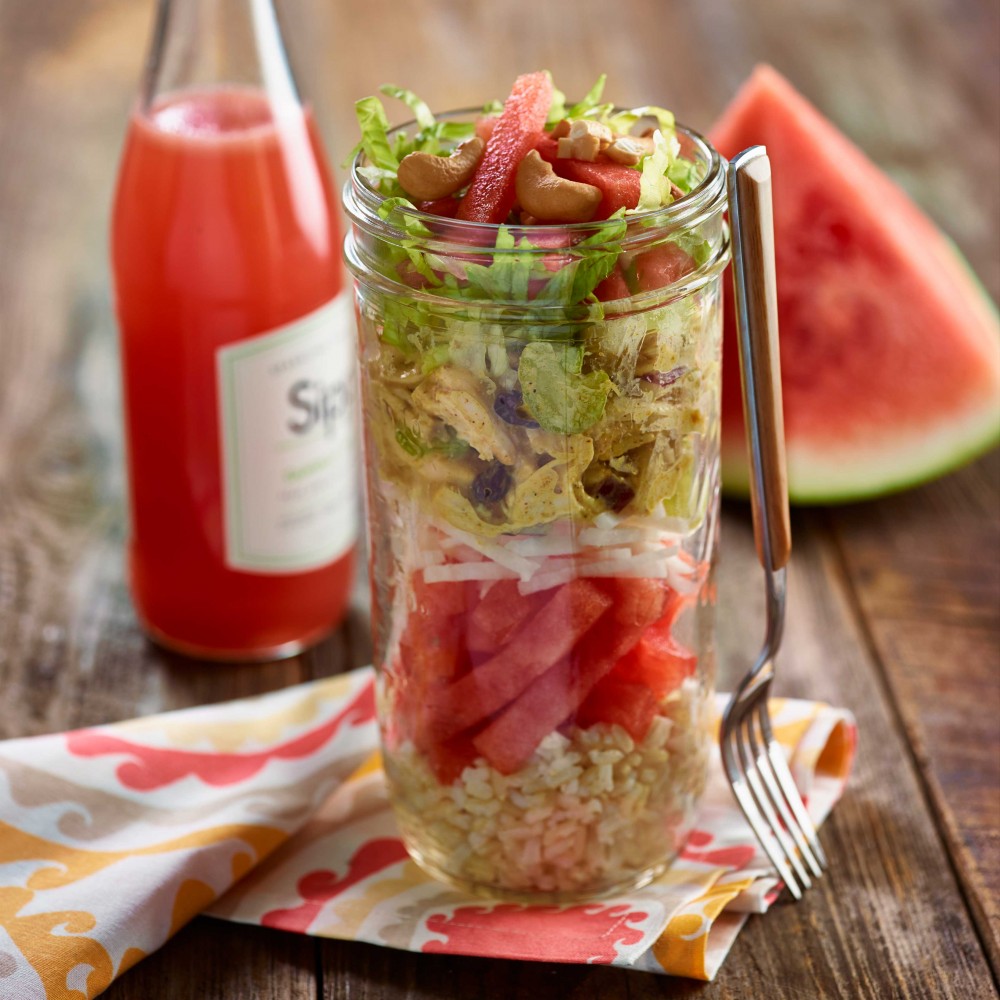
287	417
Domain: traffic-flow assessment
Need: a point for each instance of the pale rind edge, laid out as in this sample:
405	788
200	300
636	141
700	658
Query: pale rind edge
895	462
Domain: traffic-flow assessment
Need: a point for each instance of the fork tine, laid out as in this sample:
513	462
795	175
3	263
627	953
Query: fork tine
770	761
757	776
734	762
815	856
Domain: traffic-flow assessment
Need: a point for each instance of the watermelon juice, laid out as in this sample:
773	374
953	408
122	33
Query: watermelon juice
541	404
226	250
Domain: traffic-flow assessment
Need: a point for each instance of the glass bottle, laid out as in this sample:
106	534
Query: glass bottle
237	345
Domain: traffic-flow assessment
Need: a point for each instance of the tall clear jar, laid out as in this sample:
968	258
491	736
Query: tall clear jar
542	500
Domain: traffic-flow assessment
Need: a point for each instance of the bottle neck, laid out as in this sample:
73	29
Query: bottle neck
206	44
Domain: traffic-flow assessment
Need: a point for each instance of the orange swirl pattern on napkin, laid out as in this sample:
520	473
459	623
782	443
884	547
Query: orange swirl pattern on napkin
272	811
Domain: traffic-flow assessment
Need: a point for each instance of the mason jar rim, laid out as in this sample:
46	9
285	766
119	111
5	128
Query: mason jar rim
361	201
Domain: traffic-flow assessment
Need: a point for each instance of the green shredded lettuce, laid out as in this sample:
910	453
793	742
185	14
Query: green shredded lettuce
423	114
654	184
374	134
591	100
685	174
556	392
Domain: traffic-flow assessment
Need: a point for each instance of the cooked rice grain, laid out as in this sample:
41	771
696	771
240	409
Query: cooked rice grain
590	810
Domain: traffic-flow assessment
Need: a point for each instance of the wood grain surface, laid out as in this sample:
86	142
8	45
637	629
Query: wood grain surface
893	604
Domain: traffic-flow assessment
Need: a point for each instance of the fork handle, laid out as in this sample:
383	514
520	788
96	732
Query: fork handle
750	209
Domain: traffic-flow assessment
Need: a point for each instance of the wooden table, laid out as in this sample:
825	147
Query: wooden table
893	604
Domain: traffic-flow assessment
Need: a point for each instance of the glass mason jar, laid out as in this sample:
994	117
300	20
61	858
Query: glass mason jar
542	500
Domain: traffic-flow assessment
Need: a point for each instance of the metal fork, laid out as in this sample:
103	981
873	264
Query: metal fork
753	760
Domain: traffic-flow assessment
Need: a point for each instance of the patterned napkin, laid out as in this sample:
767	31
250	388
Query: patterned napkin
112	838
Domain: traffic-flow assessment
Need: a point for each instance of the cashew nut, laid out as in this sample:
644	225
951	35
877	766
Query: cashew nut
551	198
630	149
584	140
426	177
561	129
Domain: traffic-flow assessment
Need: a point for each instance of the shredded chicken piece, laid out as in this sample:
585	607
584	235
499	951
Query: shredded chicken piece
460	399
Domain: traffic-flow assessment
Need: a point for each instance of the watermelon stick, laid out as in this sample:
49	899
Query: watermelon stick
546	639
509	740
491	193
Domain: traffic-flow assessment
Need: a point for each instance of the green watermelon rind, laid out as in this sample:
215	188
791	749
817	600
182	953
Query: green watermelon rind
893	467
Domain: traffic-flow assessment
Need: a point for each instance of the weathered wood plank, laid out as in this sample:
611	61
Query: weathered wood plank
925	571
215	959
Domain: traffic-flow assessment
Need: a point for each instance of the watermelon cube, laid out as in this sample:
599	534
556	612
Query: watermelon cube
661	266
439	600
658	662
449	758
637	600
618	184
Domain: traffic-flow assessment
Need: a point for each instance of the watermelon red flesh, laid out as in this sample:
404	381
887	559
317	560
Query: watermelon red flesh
510	739
431	649
547	638
638	600
657	267
446	207
644	676
629	705
618	184
658	662
498	615
450	758
490	196
890	353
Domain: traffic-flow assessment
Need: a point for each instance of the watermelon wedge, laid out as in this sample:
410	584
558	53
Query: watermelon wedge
890	350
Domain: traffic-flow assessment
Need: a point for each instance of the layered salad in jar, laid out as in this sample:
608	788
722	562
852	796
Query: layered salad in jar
539	313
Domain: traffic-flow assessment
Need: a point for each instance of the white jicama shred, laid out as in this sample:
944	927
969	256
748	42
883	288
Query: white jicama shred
549	578
652	565
683	577
612	546
429	557
611	536
457	572
491	550
600	555
540	545
665	547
